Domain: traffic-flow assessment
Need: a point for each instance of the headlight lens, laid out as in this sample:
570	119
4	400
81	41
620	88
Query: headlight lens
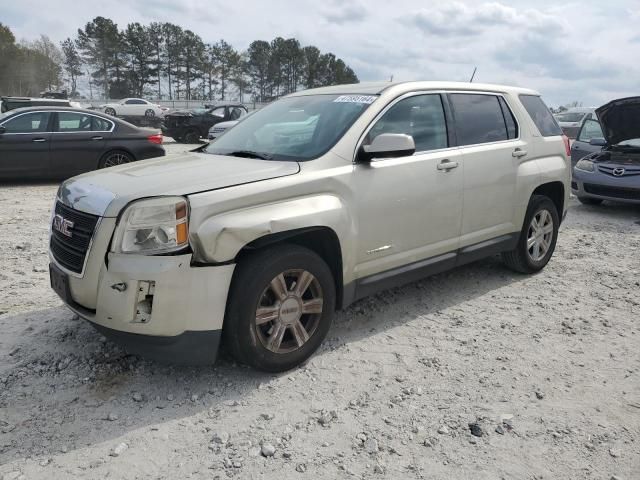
158	225
585	165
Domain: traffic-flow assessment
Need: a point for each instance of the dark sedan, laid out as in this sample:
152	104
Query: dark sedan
614	172
58	142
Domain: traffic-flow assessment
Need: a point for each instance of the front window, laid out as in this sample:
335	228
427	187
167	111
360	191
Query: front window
294	128
28	123
590	129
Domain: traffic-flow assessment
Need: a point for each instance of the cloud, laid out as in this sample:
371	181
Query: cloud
340	13
456	18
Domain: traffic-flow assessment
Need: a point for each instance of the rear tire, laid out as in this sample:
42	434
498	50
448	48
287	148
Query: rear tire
192	136
537	240
589	201
114	158
149	113
270	324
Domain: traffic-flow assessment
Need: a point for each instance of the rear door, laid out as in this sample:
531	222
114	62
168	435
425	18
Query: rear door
78	142
24	145
492	149
581	146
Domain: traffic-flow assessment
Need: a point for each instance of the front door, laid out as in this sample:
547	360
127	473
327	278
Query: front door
581	146
78	142
409	208
24	146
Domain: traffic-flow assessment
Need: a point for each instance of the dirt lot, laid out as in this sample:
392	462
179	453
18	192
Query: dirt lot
544	368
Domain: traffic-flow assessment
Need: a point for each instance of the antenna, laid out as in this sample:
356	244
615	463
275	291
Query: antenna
391	79
473	74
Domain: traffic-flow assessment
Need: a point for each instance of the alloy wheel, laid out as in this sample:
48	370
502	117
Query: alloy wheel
289	311
116	159
539	235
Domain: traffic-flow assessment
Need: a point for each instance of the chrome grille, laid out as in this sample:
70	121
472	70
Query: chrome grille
71	251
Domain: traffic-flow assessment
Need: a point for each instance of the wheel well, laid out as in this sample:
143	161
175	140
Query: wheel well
321	240
555	192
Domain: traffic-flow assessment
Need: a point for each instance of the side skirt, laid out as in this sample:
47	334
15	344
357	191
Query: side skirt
363	287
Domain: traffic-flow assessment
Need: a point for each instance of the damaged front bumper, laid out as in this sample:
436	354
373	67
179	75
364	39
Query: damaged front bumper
160	307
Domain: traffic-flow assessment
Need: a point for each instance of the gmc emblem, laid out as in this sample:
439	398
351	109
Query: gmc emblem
62	225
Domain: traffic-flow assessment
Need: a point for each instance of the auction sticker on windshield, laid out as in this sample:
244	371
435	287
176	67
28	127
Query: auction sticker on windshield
356	99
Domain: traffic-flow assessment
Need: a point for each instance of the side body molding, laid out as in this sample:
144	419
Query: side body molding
219	238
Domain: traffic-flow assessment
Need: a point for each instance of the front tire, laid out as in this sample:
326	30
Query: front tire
589	200
149	113
538	237
280	308
110	111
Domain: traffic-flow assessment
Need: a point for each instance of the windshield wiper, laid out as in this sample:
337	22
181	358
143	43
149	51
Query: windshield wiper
250	154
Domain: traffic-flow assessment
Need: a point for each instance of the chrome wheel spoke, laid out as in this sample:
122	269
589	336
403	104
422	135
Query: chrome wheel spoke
303	282
277	334
547	229
267	314
279	287
312	306
300	333
536	251
531	242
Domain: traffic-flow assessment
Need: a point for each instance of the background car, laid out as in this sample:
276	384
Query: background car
60	142
571	120
219	128
614	172
133	107
189	126
581	146
11	103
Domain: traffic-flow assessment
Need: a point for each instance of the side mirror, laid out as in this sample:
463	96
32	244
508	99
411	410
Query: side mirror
598	142
388	145
2	130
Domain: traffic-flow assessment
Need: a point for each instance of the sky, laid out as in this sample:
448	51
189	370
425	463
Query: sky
586	51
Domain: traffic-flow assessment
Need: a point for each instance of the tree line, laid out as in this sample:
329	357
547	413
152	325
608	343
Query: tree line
166	61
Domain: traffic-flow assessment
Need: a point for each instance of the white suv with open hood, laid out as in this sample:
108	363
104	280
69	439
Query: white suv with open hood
313	202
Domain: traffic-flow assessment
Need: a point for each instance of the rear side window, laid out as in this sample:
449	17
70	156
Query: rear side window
540	115
478	118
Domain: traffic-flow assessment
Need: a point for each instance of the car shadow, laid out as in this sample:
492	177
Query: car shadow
64	384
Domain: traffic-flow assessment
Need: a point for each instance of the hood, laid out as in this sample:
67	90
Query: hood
620	119
106	192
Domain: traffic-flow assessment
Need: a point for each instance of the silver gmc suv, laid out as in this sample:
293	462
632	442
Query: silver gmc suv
317	200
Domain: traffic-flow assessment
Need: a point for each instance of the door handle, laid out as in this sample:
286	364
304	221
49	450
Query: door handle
518	153
39	140
447	165
97	137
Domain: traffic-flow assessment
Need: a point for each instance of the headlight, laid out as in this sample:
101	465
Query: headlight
585	165
157	225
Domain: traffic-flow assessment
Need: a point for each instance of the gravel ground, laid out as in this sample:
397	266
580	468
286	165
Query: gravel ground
476	373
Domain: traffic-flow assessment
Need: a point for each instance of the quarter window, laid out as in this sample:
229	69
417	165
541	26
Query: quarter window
421	116
28	123
590	129
541	115
479	119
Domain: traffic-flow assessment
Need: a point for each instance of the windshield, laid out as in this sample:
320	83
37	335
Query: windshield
293	128
570	117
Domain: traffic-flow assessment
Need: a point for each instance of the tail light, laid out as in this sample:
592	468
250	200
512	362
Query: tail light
155	138
567	145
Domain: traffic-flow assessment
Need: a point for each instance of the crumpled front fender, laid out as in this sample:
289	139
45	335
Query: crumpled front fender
219	238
